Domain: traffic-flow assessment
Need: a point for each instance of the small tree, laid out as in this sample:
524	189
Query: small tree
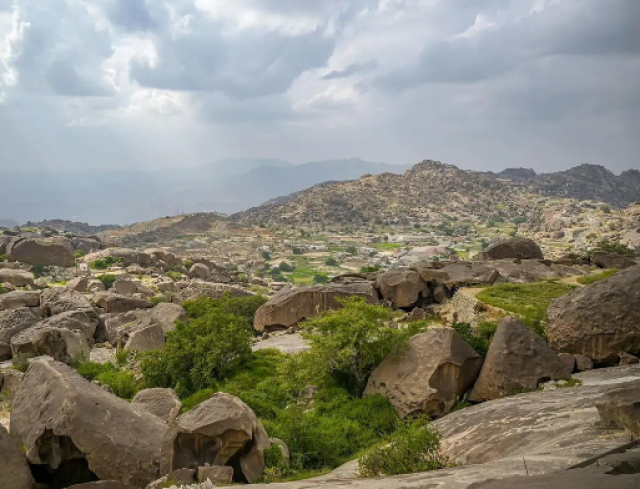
352	341
285	267
107	280
331	262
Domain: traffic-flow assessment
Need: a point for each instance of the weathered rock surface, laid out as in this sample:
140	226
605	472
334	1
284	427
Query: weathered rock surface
19	298
102	485
200	272
163	403
291	306
125	287
42	252
286	343
520	248
116	303
600	320
60	299
402	287
60	344
19	278
620	408
119	328
59	416
518	360
125	256
197	289
177	477
220	431
589	478
458	274
217	474
14	469
15	321
146	339
436	369
603	259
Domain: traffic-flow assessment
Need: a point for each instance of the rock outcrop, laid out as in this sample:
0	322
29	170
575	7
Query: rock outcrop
516	248
19	298
18	278
163	403
620	408
518	360
60	344
42	252
402	288
116	303
64	421
604	259
197	289
14	469
60	299
220	431
290	306
15	321
427	378
598	321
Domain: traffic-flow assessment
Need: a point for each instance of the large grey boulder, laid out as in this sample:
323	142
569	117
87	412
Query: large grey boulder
14	469
58	416
620	408
216	432
454	275
19	298
520	248
125	287
61	299
293	305
146	339
15	321
604	259
427	378
200	272
83	320
117	303
163	403
60	344
18	278
587	478
518	360
55	253
598	321
402	288
125	256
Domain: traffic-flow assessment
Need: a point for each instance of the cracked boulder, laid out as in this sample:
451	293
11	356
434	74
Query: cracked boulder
427	378
60	299
402	288
518	361
67	424
14	469
221	431
60	344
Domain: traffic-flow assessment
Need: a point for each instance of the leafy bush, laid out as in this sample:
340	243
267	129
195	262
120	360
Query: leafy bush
466	332
351	250
320	279
285	267
352	341
107	280
123	383
617	248
106	262
606	209
369	269
175	276
215	342
266	255
529	301
188	263
413	448
78	254
331	262
158	299
297	251
592	279
39	270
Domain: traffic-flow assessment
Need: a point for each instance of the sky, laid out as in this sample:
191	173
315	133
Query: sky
483	84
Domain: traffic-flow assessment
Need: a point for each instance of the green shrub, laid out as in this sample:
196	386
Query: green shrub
199	353
352	341
106	262
320	279
39	270
122	382
592	279
188	263
351	250
529	301
617	248
266	255
369	269
158	299
466	332
107	280
2	289
297	251
175	276
331	262
285	267
4	257
78	254
413	448
244	307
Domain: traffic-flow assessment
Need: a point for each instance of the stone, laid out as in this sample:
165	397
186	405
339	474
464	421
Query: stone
588	478
289	307
163	403
287	343
440	293
19	298
58	415
455	275
60	344
583	364
284	449
117	303
95	286
60	299
569	362
518	360
603	259
196	289
162	255
167	287
620	408
78	284
146	339
136	269
427	378
217	432
628	359
178	477
200	272
15	321
119	327
402	287
17	278
125	256
14	469
599	320
11	382
85	244
516	248
83	320
417	314
102	485
41	252
5	352
621	463
218	474
125	287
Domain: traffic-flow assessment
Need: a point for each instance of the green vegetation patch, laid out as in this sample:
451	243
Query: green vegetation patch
123	383
592	279
529	301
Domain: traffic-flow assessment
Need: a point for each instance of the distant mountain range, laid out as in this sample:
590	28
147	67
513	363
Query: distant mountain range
124	197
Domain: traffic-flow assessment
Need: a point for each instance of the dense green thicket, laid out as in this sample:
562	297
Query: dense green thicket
529	301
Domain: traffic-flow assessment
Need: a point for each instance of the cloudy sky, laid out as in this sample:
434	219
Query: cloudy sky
485	84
